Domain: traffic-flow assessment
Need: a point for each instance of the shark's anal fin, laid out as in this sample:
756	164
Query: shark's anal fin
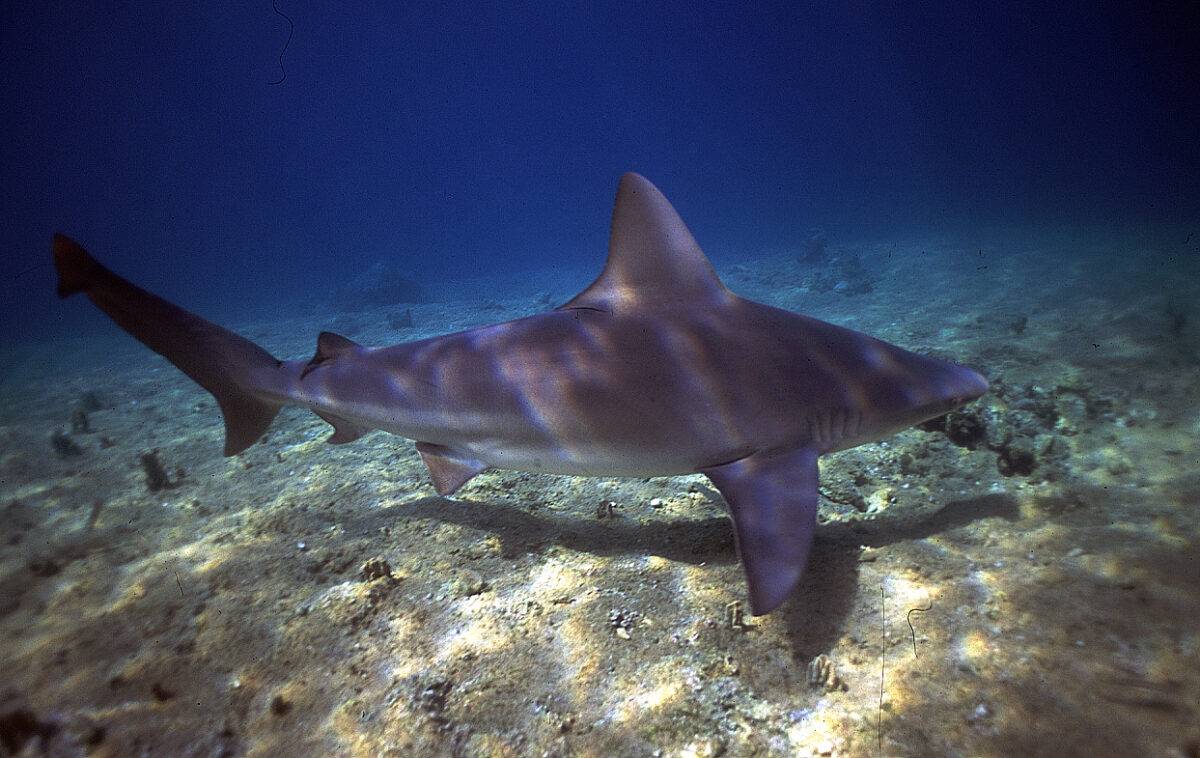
448	468
772	497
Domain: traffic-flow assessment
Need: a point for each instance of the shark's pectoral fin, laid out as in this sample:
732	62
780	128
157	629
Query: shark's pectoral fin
448	468
343	431
772	497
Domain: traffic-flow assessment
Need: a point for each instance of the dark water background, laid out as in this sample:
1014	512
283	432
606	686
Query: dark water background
476	139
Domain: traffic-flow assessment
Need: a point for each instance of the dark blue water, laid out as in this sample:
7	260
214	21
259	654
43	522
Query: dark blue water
479	139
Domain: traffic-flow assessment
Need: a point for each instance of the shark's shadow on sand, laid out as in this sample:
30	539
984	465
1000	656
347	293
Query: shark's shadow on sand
815	612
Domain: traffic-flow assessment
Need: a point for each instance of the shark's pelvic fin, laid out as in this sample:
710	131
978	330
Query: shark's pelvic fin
772	497
329	347
448	468
652	257
233	369
343	431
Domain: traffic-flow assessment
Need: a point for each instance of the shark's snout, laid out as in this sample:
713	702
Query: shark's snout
977	384
965	385
946	387
958	385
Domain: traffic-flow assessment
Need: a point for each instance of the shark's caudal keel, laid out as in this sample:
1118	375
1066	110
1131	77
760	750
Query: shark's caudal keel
654	369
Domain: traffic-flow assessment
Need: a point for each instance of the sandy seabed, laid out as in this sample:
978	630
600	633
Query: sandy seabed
1022	578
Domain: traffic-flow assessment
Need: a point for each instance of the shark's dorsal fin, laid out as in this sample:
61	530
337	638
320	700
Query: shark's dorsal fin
652	257
329	346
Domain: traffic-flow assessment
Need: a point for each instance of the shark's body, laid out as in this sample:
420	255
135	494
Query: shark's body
655	369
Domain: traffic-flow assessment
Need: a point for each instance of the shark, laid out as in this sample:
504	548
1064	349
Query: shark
655	369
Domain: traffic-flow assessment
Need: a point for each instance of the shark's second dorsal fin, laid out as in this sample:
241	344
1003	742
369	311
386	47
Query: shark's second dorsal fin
652	257
329	346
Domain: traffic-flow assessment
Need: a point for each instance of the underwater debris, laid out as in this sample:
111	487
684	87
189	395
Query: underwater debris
822	673
1128	687
90	402
1024	437
402	320
44	567
981	715
17	518
64	446
911	629
846	276
915	461
816	249
467	583
622	620
1177	319
375	568
881	499
23	732
734	616
856	279
156	475
280	706
1039	403
606	509
93	515
291	31
355	605
965	428
431	697
1017	458
79	422
839	489
381	283
19	727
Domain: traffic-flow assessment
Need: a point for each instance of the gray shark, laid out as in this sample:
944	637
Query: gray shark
656	369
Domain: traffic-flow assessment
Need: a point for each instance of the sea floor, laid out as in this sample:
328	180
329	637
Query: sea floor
1022	578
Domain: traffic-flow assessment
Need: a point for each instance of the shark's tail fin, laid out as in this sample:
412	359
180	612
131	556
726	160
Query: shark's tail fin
237	372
